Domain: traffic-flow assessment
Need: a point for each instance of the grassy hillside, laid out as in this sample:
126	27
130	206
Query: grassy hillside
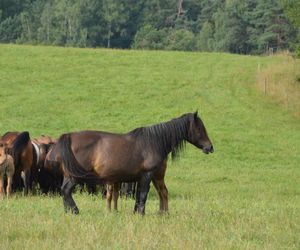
246	195
281	82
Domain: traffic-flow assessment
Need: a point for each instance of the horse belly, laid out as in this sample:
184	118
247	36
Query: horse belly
115	164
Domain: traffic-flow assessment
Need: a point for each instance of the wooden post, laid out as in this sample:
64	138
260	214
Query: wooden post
265	90
179	8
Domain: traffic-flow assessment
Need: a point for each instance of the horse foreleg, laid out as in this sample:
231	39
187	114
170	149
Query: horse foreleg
66	190
159	184
162	193
144	186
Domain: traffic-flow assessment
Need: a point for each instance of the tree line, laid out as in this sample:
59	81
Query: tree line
236	26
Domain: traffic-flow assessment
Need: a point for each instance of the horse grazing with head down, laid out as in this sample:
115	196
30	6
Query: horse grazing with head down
139	155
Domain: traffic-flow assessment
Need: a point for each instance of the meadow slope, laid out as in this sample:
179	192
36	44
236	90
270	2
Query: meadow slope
244	196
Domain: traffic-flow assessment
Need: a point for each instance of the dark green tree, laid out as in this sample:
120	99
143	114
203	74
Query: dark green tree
205	40
269	28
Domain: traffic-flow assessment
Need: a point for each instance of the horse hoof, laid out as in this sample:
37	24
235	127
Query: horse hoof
75	210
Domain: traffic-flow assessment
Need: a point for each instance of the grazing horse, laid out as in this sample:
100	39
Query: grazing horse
51	175
140	155
24	156
43	146
7	169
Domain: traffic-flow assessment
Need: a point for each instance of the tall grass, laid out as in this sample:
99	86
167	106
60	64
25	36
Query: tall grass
281	82
244	196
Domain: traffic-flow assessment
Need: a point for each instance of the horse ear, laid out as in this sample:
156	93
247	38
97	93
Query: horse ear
196	114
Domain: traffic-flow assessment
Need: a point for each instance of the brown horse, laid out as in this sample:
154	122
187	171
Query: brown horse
51	173
140	155
25	159
43	146
7	169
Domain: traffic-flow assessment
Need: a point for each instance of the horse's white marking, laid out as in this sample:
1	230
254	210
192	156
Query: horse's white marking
37	150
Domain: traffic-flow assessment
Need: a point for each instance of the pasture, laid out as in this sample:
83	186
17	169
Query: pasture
246	195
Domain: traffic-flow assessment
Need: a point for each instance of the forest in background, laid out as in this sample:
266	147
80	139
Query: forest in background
235	26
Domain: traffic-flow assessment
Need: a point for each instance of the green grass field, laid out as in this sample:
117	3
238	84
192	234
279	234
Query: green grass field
244	196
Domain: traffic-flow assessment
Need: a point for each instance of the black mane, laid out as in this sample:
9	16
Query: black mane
165	137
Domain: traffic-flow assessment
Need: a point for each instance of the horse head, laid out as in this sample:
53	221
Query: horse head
197	134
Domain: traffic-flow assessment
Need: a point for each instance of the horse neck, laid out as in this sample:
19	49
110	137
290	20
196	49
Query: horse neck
167	137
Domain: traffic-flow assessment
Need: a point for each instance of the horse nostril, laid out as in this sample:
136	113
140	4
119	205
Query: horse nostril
212	149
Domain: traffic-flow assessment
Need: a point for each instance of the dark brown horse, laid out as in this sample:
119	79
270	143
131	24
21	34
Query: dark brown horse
47	182
25	159
140	155
51	173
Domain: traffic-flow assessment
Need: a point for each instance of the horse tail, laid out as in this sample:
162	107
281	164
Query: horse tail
18	146
71	166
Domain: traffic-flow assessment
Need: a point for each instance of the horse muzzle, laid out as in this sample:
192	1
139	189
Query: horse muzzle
209	149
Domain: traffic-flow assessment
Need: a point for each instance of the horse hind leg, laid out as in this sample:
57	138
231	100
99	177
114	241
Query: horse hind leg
66	190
